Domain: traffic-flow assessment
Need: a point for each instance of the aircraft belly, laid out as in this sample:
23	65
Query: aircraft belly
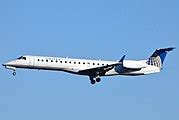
124	72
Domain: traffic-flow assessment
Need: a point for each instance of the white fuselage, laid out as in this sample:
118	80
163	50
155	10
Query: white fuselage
95	69
75	65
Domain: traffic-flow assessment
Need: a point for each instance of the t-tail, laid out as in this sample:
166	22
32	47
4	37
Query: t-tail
158	57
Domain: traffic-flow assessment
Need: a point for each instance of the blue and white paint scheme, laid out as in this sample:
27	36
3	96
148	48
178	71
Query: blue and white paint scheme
95	69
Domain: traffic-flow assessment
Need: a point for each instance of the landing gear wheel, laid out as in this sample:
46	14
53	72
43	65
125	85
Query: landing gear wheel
93	82
14	73
98	79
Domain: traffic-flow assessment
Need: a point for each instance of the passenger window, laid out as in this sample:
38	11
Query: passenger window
42	60
56	61
65	61
102	64
70	62
60	61
38	59
84	63
74	62
98	63
46	60
93	63
78	62
51	60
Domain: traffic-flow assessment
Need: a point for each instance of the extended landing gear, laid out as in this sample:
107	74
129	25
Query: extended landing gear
94	80
14	73
11	68
98	79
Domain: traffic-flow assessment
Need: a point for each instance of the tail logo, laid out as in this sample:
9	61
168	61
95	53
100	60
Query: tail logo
155	61
158	57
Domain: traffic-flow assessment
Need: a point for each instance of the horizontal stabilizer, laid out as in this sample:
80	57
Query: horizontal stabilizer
166	49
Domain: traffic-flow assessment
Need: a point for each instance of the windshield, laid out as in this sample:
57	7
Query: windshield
21	57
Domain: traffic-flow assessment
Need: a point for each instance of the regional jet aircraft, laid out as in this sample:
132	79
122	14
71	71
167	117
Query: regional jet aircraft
94	69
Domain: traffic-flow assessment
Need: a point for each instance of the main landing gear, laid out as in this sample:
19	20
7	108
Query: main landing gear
94	80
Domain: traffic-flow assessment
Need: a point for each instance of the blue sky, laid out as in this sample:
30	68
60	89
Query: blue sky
95	29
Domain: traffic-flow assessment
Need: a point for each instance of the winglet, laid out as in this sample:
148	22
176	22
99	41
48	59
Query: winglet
122	59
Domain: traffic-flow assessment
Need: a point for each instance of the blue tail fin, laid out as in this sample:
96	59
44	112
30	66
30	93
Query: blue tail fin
158	57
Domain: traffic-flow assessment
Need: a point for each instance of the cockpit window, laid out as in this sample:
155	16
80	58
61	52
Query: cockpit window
24	58
21	58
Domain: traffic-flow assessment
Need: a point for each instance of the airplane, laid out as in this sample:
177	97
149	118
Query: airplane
94	69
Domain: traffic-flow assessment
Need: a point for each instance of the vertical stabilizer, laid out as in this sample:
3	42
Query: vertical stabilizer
158	57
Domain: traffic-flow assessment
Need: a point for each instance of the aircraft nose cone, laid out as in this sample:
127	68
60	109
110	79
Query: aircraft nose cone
5	64
8	63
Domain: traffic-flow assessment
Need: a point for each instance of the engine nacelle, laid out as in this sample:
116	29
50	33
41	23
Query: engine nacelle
134	64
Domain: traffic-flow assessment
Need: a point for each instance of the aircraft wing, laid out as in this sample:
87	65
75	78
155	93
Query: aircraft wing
100	70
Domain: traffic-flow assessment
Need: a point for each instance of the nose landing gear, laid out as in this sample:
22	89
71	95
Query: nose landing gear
14	73
11	68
